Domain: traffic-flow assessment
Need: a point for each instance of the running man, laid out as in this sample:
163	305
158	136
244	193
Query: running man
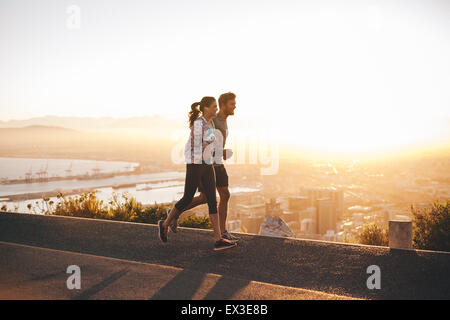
227	104
199	169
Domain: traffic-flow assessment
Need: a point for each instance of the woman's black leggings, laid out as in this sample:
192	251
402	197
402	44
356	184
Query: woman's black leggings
194	174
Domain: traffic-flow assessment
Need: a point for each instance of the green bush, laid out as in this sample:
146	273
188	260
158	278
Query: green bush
87	205
372	234
84	206
128	210
195	222
152	214
431	227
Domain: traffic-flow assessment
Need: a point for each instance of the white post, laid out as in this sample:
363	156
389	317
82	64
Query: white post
400	234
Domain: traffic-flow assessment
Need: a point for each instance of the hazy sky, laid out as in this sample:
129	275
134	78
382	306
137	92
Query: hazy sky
336	67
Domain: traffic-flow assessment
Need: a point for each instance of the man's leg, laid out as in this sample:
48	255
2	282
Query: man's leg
224	195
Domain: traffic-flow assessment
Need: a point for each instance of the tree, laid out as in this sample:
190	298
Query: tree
431	227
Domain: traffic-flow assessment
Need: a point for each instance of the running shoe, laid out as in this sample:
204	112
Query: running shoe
162	232
223	244
174	224
229	236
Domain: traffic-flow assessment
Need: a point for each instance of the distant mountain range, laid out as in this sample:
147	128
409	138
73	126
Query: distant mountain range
91	123
84	138
37	129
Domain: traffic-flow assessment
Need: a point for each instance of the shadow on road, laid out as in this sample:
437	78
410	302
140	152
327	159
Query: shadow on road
101	285
189	281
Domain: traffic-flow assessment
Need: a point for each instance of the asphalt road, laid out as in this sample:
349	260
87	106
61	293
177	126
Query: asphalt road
331	268
38	273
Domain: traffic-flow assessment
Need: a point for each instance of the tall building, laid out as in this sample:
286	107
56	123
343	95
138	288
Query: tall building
309	212
298	203
338	197
326	215
314	193
237	200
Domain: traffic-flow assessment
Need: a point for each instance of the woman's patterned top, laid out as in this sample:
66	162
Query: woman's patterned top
200	137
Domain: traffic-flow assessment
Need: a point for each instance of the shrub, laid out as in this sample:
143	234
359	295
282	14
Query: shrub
87	205
127	210
152	214
84	206
372	234
195	222
431	227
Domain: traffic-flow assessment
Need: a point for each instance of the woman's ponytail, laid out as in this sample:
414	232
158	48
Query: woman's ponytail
198	107
194	113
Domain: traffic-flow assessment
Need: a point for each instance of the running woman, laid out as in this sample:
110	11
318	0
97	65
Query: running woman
199	170
227	104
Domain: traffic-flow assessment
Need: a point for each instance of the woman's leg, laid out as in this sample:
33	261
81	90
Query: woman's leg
209	185
193	174
196	201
